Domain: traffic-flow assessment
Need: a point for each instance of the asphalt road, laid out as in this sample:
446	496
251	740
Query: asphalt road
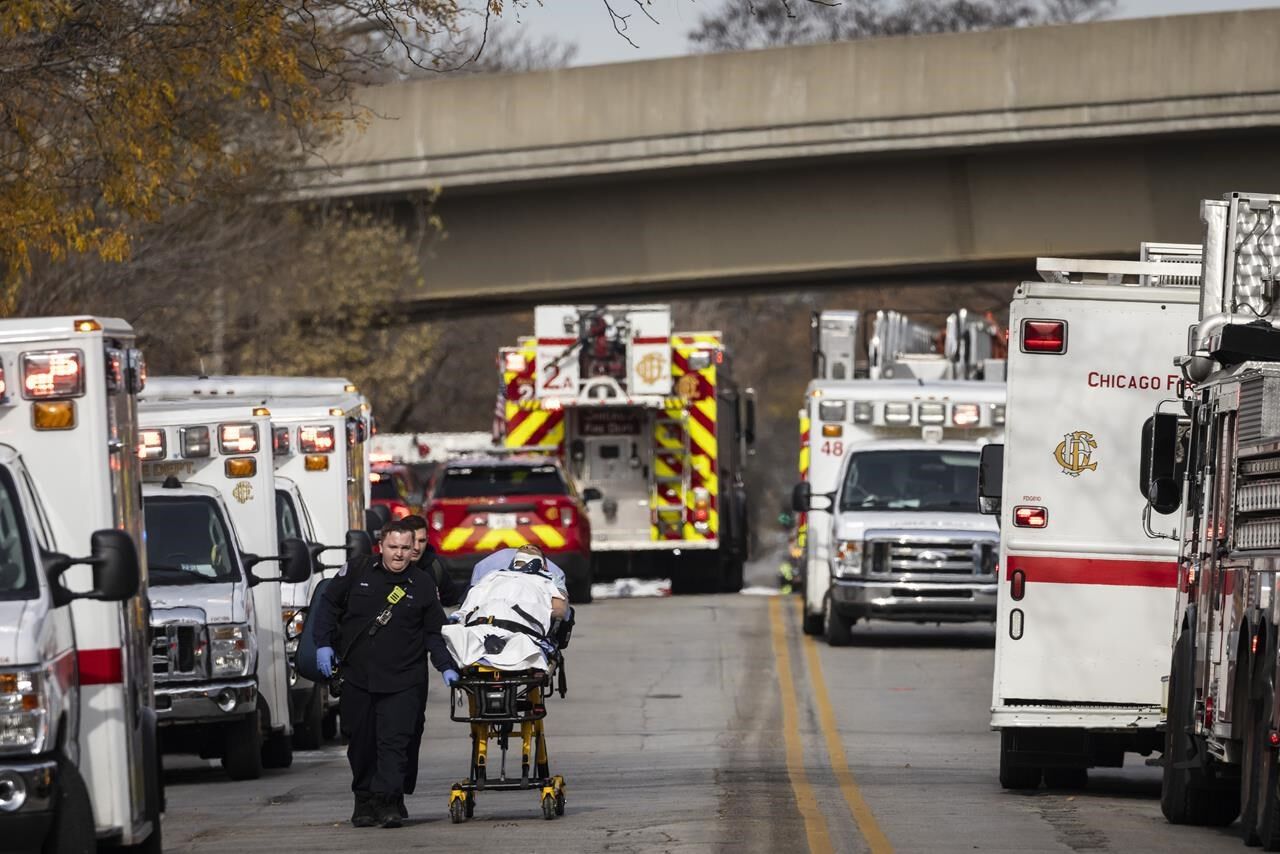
709	723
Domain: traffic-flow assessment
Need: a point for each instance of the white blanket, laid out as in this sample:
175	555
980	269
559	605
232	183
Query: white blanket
498	595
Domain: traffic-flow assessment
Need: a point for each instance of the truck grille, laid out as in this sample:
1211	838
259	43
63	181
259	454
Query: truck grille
178	651
908	556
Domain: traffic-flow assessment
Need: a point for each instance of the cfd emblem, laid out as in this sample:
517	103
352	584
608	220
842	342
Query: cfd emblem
651	368
243	492
687	386
1074	451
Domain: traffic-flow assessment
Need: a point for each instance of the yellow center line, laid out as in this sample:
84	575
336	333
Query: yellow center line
815	825
862	815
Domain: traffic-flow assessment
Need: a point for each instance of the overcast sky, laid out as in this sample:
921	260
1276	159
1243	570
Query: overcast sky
586	23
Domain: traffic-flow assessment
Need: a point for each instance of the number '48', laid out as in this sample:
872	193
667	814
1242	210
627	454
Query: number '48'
835	449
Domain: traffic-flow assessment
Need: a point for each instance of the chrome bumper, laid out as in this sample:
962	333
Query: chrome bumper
208	702
915	601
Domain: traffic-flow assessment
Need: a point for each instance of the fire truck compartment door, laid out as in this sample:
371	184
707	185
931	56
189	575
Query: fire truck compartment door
618	465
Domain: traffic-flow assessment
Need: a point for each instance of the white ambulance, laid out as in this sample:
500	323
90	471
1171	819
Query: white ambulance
78	755
892	525
319	437
216	570
1082	633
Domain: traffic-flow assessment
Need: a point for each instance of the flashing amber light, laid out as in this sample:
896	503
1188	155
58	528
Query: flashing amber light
238	438
316	462
241	467
261	412
1044	336
832	430
337	411
151	445
54	415
351	387
88	324
316	440
1030	517
53	373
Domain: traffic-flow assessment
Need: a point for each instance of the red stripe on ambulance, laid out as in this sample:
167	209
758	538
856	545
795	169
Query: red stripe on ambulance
1115	572
101	666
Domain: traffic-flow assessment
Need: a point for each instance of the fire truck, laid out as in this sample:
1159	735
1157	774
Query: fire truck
650	418
1211	461
1084	596
216	568
891	526
79	761
319	436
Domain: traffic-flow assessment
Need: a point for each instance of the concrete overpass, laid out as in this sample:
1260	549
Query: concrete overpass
902	157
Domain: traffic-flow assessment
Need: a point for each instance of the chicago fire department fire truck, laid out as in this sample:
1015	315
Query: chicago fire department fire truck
650	418
891	528
1213	453
1084	595
78	761
218	640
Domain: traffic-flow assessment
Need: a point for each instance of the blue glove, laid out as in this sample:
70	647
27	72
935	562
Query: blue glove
325	660
450	676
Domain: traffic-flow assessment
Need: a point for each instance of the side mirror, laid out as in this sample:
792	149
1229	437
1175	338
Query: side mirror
116	574
1162	462
592	494
359	544
801	495
990	479
296	564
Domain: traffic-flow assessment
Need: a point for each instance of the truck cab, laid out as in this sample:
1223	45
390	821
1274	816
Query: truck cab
78	761
890	463
217	636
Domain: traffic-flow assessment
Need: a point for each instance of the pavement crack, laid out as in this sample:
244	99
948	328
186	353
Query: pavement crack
1070	827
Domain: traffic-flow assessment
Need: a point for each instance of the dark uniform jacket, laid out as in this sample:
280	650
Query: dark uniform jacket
451	592
393	658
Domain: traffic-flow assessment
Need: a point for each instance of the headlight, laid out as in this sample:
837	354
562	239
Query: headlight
294	620
848	558
231	649
24	717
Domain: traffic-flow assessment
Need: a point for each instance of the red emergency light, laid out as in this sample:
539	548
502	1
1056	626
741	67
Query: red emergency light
1030	517
1044	336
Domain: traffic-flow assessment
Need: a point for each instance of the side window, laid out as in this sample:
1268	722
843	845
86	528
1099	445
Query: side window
17	565
287	526
44	533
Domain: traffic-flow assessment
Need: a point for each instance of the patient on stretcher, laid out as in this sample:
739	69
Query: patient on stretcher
506	621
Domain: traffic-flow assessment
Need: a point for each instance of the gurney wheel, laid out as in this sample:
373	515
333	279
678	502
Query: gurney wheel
549	807
457	811
560	802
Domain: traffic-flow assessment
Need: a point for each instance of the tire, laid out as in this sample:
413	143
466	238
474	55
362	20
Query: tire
731	576
1188	795
1015	777
242	749
1251	765
811	624
72	831
1266	777
1066	778
837	629
308	732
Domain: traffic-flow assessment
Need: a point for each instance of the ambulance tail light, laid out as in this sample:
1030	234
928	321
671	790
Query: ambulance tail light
863	412
966	415
240	467
195	442
52	374
1044	336
151	445
315	440
24	719
238	438
280	441
53	414
1030	517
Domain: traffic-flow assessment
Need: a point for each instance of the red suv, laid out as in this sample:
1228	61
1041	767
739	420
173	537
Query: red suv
391	485
478	506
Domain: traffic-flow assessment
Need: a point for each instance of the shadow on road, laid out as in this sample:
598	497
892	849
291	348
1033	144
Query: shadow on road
916	636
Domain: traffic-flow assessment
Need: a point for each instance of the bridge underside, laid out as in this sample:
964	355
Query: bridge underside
958	214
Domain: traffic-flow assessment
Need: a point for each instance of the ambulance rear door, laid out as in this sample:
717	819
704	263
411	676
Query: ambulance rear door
1085	596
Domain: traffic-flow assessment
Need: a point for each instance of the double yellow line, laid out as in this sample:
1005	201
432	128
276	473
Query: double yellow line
815	824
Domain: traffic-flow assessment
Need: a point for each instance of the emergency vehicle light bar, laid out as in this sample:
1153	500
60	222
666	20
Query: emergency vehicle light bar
151	445
280	445
238	438
315	439
52	374
195	442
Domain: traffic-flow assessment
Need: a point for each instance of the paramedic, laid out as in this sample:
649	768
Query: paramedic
383	615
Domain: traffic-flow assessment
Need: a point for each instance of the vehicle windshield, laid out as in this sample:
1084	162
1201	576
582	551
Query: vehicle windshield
17	565
188	542
494	481
911	480
383	486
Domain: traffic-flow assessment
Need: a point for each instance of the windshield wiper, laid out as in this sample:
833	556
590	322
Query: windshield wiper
178	575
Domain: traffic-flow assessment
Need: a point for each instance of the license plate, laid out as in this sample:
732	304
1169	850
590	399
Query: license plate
502	520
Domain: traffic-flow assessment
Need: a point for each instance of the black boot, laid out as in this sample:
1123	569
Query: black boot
400	807
387	810
364	814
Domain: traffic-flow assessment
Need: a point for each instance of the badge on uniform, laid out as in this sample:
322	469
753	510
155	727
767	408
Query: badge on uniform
396	594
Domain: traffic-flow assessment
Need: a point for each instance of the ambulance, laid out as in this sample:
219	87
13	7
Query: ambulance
78	757
216	569
1084	595
1210	473
320	428
889	462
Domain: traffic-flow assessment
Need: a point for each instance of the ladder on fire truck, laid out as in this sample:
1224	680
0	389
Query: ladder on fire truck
1159	265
